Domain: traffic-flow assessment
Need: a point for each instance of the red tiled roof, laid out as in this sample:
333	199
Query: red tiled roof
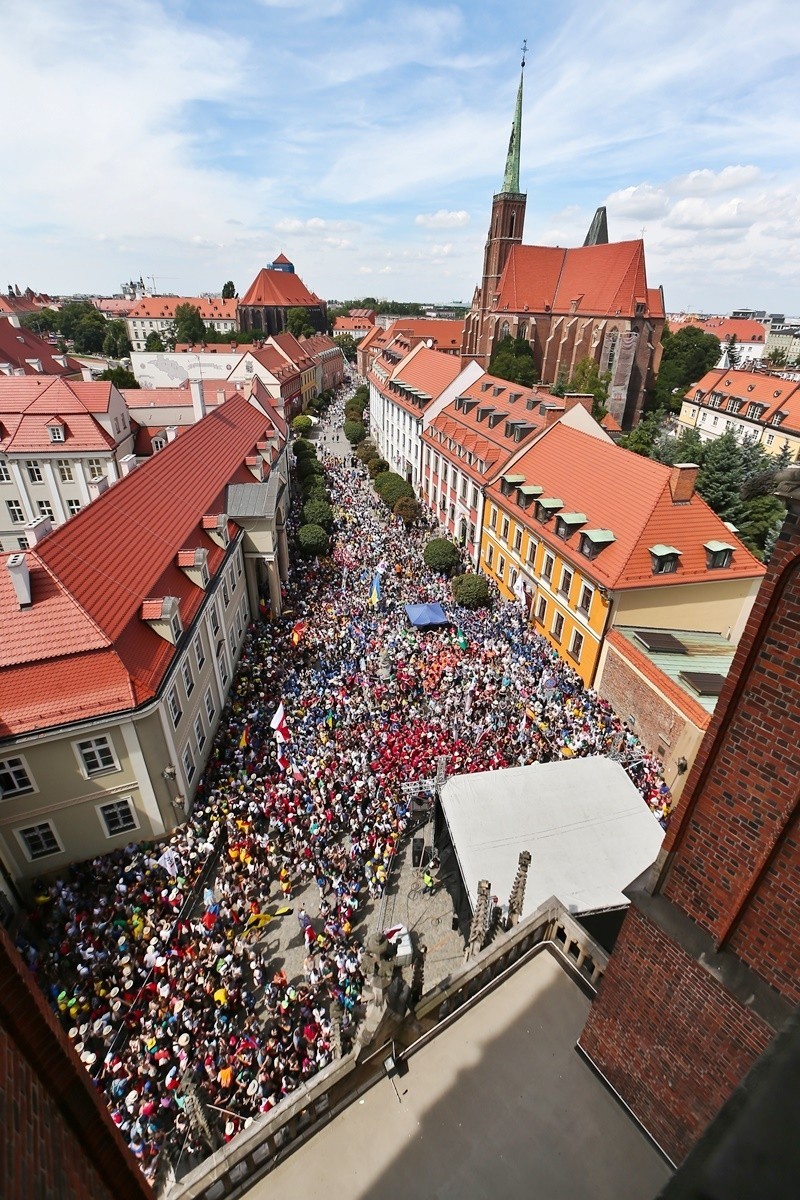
164	307
352	324
752	387
492	446
429	371
724	327
28	405
602	280
91	575
279	289
18	344
223	348
611	424
293	351
283	260
630	495
116	306
445	335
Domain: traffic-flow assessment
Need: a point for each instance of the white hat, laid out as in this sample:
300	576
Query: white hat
184	1039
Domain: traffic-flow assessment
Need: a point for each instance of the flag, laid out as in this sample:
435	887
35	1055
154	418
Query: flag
278	723
244	740
462	639
170	862
375	591
298	629
283	761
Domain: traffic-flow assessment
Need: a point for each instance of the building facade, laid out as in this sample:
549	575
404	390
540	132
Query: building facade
705	971
590	302
275	289
753	405
128	623
156	314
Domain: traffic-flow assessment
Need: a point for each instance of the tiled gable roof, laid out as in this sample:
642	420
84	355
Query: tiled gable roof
445	335
631	496
489	444
27	406
279	289
428	370
603	280
18	345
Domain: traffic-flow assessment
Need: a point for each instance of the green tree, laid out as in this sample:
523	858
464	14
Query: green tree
302	424
642	438
69	317
187	325
154	344
732	351
391	487
348	346
513	360
471	591
303	448
313	540
588	380
44	320
314	488
441	556
775	358
298	322
115	343
721	478
307	467
408	509
688	447
354	432
90	333
228	290
686	357
318	512
120	377
367	450
376	467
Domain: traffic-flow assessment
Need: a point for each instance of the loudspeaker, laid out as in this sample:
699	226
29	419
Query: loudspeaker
417	846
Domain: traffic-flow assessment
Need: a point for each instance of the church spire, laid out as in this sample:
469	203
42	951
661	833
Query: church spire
511	177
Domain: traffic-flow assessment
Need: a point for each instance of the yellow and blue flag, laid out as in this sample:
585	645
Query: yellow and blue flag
375	591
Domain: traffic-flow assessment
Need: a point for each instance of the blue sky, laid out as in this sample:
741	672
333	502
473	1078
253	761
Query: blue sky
192	141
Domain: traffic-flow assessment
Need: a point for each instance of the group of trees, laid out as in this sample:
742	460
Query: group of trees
397	308
469	590
512	359
317	514
685	358
736	479
80	323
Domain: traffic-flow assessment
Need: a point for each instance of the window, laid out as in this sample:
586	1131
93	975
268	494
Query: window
188	763
14	778
118	816
45	508
493	518
239	625
56	433
22	543
73	507
474	497
39	841
199	652
531	555
176	627
174	705
232	641
718	556
97	756
664	563
587	547
199	732
15	512
213	617
34	470
518	540
501	566
566	582
770	438
226	596
65	470
238	564
558	626
188	678
5	474
547	568
94	466
576	645
211	708
489	554
504	529
585	601
541	609
734	406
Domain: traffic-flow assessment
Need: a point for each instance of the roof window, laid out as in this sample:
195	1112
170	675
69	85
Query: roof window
718	555
664	559
592	541
547	507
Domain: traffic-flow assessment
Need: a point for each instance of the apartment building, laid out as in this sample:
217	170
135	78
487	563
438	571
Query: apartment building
751	404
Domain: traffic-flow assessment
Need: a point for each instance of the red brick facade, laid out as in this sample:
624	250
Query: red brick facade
58	1139
672	1043
707	966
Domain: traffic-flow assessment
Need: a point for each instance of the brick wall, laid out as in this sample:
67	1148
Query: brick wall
58	1140
631	695
667	1037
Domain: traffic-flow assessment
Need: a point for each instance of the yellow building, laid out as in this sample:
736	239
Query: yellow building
589	535
752	405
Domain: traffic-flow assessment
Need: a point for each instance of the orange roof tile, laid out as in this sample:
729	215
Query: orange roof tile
279	289
777	395
602	280
630	495
28	404
491	445
724	327
19	345
212	309
445	335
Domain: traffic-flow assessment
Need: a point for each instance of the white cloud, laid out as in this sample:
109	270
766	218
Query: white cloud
642	202
700	214
443	219
706	182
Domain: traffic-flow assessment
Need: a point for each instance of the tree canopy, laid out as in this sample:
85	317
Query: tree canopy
686	356
313	540
115	342
348	346
120	377
588	380
228	290
154	344
513	360
45	320
471	591
298	322
441	555
187	325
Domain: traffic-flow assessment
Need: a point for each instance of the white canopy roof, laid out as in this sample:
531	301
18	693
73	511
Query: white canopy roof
588	830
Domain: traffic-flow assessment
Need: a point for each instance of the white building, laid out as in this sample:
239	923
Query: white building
156	314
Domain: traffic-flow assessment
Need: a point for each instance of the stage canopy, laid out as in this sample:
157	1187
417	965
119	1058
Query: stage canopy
426	615
586	826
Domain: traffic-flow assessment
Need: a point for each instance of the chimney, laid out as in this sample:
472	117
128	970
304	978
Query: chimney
573	399
171	432
550	413
127	463
98	486
21	579
38	529
682	479
198	402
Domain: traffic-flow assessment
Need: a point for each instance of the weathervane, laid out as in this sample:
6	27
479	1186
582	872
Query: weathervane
524	51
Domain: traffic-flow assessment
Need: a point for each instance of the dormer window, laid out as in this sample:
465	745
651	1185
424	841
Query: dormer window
547	508
56	431
592	541
776	420
567	523
754	411
195	564
664	559
163	614
496	391
718	555
485	386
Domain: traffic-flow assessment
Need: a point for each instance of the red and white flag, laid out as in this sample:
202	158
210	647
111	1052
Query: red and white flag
283	761
278	723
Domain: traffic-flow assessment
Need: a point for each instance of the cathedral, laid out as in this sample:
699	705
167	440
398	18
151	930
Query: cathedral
592	301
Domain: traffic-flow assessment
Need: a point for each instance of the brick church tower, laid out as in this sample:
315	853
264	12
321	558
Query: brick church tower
706	969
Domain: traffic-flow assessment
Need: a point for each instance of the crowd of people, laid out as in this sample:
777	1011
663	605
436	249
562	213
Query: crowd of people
161	960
